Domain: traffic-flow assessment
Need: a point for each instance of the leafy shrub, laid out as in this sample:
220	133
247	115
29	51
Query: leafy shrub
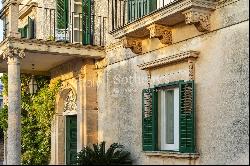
36	115
115	155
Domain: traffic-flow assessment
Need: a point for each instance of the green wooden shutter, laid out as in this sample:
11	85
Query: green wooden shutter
187	117
86	21
24	31
62	9
31	29
149	119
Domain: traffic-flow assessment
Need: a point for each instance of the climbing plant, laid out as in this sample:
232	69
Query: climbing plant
36	116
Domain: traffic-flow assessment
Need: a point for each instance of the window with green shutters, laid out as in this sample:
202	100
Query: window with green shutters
169	110
28	31
139	8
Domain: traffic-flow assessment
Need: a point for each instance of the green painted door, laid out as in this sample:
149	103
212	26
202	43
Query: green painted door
71	139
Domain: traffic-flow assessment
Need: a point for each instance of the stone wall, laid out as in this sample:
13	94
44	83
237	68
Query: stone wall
221	77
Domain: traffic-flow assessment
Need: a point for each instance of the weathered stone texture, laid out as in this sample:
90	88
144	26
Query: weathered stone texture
221	76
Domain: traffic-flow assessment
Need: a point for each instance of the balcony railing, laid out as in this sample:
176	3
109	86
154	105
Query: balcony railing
126	11
75	24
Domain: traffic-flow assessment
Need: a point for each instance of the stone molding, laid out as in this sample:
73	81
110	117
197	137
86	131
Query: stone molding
200	18
189	56
134	43
163	33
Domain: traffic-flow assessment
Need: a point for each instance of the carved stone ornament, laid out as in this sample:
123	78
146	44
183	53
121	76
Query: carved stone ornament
11	52
133	43
191	66
200	18
70	105
163	33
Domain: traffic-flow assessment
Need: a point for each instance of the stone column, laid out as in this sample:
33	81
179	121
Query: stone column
13	55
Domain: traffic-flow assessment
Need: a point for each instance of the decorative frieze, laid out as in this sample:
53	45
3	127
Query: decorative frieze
163	33
200	18
134	44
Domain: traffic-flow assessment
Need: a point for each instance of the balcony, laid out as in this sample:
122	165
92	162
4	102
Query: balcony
74	22
134	20
52	35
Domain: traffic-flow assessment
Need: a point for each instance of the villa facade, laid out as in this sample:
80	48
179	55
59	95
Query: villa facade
168	79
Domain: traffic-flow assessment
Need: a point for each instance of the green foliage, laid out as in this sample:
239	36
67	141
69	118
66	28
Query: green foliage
37	113
115	155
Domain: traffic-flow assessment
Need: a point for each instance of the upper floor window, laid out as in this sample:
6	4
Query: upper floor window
139	8
169	118
28	31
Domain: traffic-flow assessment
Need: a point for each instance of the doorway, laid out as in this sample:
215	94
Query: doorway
71	139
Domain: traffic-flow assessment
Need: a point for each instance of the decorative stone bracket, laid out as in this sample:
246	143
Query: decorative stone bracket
134	43
163	33
200	18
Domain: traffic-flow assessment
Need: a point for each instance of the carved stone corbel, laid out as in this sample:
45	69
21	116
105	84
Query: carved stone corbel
163	33
134	44
200	18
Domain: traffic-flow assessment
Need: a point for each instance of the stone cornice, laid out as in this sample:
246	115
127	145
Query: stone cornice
169	60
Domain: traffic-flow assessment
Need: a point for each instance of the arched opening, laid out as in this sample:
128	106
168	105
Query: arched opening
64	130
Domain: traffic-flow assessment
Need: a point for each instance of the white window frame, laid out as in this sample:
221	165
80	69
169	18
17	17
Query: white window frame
160	3
162	120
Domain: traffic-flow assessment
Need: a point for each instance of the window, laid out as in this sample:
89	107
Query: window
28	31
168	117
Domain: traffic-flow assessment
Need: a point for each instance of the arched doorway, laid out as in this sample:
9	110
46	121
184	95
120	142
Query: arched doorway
64	130
70	114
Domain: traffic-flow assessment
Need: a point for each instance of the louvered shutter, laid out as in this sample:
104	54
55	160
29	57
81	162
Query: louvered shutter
149	119
187	117
31	29
24	31
62	14
87	22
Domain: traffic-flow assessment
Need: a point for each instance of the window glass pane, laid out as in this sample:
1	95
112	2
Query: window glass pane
170	117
